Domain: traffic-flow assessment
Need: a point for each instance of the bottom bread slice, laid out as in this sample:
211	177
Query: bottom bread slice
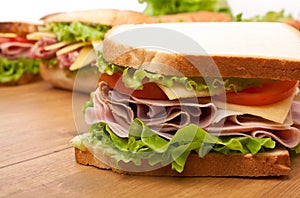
271	163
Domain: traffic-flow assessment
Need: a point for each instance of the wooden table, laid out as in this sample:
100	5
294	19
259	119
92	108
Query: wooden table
36	125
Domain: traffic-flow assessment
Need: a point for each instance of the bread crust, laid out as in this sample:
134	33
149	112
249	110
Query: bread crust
177	65
233	64
20	28
109	17
58	78
200	16
271	163
294	23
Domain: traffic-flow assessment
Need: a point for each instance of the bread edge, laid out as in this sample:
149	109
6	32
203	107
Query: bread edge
109	17
57	77
178	65
19	28
276	163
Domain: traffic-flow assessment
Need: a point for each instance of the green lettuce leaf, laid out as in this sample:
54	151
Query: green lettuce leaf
76	31
133	79
12	70
144	144
271	16
162	7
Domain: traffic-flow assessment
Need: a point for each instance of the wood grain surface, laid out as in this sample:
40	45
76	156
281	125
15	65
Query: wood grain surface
36	125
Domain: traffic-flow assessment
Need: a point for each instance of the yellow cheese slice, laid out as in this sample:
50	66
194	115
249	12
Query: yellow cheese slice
178	91
85	57
57	45
72	47
38	35
276	112
8	35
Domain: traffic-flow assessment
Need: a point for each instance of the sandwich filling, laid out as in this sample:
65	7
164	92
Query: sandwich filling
67	45
137	115
15	59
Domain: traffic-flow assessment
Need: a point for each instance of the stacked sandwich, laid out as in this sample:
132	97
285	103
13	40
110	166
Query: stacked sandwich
195	99
16	65
65	42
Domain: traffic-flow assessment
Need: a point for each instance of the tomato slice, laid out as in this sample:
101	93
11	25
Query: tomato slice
14	39
150	90
270	92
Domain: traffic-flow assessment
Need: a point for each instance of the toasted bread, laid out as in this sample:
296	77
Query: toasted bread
271	163
19	28
109	17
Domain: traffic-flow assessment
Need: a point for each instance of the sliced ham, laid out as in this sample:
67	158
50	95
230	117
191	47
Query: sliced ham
102	113
14	50
295	111
39	52
165	117
67	59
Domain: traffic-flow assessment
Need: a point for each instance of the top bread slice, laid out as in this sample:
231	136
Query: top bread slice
19	28
230	49
109	17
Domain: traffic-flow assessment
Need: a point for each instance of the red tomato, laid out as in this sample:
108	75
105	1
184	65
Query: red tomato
270	92
150	90
14	39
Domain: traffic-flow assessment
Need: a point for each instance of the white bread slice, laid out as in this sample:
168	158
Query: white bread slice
238	49
109	17
200	16
271	163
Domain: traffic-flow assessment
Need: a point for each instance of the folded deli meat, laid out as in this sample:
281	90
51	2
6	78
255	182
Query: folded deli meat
14	50
165	117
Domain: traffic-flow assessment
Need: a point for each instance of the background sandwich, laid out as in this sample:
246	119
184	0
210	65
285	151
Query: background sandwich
159	112
200	16
65	42
164	7
16	65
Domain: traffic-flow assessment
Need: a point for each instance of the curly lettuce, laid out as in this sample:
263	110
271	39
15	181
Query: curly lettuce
12	70
133	79
162	7
76	31
144	144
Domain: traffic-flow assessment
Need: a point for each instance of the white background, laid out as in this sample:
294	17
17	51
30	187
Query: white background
32	10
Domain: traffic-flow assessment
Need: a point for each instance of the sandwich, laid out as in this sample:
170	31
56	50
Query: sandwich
16	65
195	99
64	43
